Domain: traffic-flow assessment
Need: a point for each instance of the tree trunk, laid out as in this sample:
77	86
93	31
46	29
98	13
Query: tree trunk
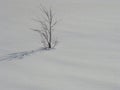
49	45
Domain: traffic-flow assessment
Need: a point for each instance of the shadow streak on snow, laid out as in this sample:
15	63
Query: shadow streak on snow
20	55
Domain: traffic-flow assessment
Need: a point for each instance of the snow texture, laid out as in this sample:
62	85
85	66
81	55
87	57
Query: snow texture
87	56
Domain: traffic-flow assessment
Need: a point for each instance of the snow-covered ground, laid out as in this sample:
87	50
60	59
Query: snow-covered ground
87	56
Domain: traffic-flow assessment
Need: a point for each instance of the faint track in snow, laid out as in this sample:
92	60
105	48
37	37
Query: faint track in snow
19	55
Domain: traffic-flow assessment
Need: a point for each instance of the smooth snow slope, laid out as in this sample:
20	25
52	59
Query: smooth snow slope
86	58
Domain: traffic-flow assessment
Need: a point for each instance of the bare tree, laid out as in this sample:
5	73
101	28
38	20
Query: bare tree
47	23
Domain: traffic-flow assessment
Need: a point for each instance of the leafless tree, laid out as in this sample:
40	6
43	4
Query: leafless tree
47	23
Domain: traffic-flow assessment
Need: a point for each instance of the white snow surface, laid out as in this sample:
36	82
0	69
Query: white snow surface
87	56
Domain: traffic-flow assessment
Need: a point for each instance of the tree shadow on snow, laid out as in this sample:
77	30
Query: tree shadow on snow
20	55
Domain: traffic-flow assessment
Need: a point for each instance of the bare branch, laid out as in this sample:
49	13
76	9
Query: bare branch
47	23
